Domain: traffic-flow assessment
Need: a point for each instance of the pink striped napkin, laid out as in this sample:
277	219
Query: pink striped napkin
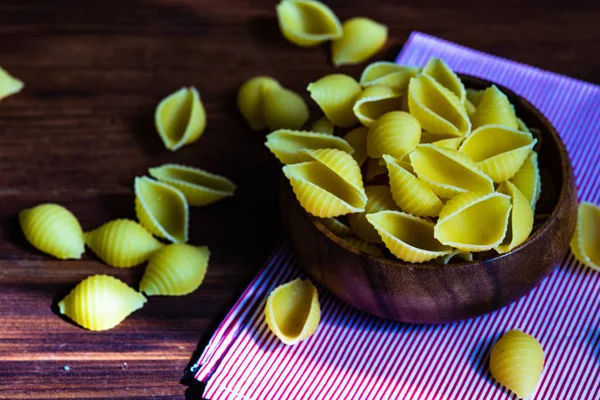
356	356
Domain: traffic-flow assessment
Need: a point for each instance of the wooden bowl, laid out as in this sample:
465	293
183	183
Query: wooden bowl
433	293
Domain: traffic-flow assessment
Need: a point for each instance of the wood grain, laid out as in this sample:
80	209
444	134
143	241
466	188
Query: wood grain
83	129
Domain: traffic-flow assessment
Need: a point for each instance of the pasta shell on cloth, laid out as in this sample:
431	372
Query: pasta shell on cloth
494	108
385	73
409	193
307	23
408	237
528	179
374	101
445	141
250	103
198	186
374	169
443	74
100	302
122	243
322	125
520	222
54	230
437	109
448	172
337	227
9	85
180	118
175	270
336	94
474	221
357	138
497	150
282	108
287	145
330	186
585	244
466	256
396	133
517	361
379	198
361	40
363	246
162	209
293	311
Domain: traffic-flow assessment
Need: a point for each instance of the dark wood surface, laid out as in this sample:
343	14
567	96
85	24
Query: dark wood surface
83	129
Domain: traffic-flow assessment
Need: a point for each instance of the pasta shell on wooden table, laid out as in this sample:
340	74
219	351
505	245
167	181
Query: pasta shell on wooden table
54	230
322	125
528	179
445	141
386	73
362	39
9	85
337	227
396	133
497	150
162	209
100	302
517	362
374	169
448	172
249	101
465	256
282	108
474	221
408	237
494	108
445	76
379	198
175	270
287	145
520	222
357	138
122	243
375	101
336	94
363	246
293	312
307	23
180	118
199	187
585	243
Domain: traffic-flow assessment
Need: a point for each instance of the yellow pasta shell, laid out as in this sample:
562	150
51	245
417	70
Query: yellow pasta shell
517	361
340	163
396	133
463	255
322	125
385	73
198	186
9	85
585	243
100	302
470	107
337	227
357	138
250	103
122	243
363	246
521	125
287	145
180	118
445	141
379	198
293	312
443	74
494	108
528	180
54	230
408	237
336	94
282	108
374	169
375	101
474	96
362	38
175	270
448	172
520	222
474	221
307	23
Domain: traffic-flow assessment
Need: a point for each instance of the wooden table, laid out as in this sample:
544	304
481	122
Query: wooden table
83	129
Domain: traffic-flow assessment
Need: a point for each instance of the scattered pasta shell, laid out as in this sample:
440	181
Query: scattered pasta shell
175	270
498	151
307	23
180	118
448	172
100	302
396	133
54	230
322	125
287	145
293	312
462	255
337	227
375	101
520	222
528	179
443	74
250	103
198	186
374	169
585	244
494	108
282	108
474	221
408	237
363	246
385	73
445	141
9	85
357	138
361	40
379	198
122	243
517	361
336	94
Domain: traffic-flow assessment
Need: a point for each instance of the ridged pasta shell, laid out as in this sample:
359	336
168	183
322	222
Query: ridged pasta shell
293	312
448	172
474	96
379	198
175	270
520	223
336	94
385	73
517	361
180	118
498	151
374	101
585	243
396	133
363	246
54	230
249	101
410	194
408	237
470	107
9	85
374	169
445	141
307	23
357	138
521	125
282	108
322	125
361	40
494	108
287	145
100	302
198	186
528	179
443	74
122	243
337	227
463	255
474	221
437	109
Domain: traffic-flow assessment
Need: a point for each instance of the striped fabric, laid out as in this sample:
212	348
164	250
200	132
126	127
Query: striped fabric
356	356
